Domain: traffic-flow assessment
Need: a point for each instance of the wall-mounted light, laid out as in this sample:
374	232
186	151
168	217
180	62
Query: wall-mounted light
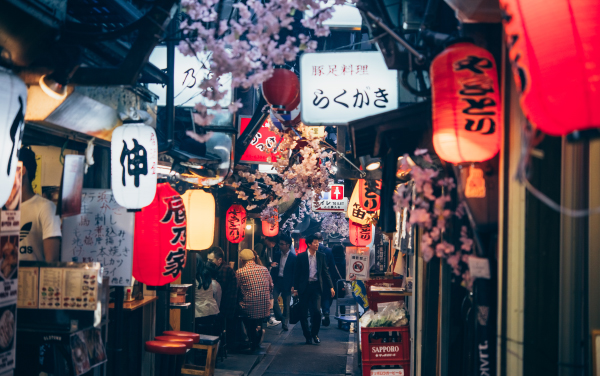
52	88
248	227
370	164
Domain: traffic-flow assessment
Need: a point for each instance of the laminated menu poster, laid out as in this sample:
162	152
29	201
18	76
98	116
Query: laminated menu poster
69	288
28	287
87	350
8	331
103	233
51	288
10	216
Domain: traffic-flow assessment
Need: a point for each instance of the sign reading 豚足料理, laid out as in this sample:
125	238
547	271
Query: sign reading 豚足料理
332	201
338	87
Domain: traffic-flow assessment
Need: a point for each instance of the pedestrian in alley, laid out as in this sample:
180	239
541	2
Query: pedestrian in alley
326	300
282	272
265	251
254	292
311	281
226	278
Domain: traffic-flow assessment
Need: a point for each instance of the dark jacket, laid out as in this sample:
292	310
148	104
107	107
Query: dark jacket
301	273
288	271
330	262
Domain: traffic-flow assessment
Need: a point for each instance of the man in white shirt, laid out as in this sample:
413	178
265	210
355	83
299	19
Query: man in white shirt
282	273
40	226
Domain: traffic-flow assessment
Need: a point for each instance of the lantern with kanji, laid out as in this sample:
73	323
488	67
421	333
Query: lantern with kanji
556	67
282	90
368	193
360	235
271	229
235	222
159	247
467	124
302	246
13	100
134	157
200	217
356	212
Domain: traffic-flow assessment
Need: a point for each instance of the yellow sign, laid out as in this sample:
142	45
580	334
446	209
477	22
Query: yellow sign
36	184
475	187
356	212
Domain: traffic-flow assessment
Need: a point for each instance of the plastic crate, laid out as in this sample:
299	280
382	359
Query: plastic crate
376	297
376	350
367	368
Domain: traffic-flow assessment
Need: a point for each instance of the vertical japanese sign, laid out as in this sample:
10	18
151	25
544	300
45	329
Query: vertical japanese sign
103	232
338	87
264	140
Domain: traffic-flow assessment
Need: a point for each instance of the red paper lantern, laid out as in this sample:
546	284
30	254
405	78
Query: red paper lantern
271	229
235	220
369	199
282	89
467	124
557	68
302	247
159	248
360	235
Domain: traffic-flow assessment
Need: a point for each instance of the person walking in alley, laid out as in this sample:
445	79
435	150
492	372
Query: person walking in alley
326	301
255	289
225	276
311	280
282	272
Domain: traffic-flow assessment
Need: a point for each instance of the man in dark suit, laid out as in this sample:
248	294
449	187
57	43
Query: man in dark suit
311	280
326	301
282	273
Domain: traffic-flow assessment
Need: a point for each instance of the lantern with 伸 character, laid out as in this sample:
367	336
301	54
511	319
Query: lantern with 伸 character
159	247
360	235
555	67
368	193
200	217
235	220
271	229
282	90
467	123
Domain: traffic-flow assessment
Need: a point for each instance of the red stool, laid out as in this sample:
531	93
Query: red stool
166	356
188	342
177	333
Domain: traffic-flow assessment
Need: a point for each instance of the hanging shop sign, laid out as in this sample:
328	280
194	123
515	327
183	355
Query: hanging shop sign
271	229
200	210
332	201
361	235
356	213
368	194
466	107
134	157
556	68
338	87
235	220
344	17
159	248
13	100
264	140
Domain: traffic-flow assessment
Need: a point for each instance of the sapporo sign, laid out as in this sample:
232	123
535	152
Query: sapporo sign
338	87
332	201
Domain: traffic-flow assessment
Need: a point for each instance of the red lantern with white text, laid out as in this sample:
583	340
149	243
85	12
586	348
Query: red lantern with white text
235	220
159	248
360	235
367	192
302	246
271	229
557	66
467	124
282	89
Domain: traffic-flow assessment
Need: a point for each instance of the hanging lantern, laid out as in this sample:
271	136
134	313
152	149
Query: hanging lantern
556	68
467	124
200	210
235	220
360	235
356	212
271	229
369	198
302	247
13	101
159	247
282	89
134	157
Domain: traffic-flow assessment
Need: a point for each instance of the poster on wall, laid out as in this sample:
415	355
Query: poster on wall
103	233
357	263
10	215
71	186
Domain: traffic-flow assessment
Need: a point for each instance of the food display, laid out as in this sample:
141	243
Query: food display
71	287
10	256
51	282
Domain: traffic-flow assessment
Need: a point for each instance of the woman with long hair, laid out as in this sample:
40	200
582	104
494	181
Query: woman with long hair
208	297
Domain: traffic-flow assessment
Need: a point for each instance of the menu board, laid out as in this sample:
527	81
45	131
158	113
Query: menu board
28	287
69	288
103	233
50	288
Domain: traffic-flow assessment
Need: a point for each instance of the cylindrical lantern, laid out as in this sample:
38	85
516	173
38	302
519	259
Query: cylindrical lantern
271	229
302	247
556	68
369	198
200	210
134	157
356	212
360	235
282	89
467	124
13	101
159	246
235	220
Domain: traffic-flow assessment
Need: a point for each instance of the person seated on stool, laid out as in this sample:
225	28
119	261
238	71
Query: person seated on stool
208	298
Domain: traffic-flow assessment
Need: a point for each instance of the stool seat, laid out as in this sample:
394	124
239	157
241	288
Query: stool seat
189	342
166	348
179	333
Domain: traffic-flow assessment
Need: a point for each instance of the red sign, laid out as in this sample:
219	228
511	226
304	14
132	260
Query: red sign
262	141
337	192
369	199
236	223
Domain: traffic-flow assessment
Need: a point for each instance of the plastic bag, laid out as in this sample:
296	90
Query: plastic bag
393	314
366	319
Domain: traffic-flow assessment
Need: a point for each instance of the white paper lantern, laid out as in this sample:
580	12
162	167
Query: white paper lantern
134	158
200	212
13	101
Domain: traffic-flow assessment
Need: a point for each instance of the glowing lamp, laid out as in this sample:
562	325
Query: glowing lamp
134	160
159	246
13	101
235	220
467	124
282	89
368	196
271	229
200	209
356	212
556	68
360	235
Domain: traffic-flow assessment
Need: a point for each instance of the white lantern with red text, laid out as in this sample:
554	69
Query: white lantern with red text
200	211
13	100
271	229
134	157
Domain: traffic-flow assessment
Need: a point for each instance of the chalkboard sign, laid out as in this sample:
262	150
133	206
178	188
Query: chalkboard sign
103	232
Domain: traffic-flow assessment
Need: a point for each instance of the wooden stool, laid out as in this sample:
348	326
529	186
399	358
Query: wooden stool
166	354
211	345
